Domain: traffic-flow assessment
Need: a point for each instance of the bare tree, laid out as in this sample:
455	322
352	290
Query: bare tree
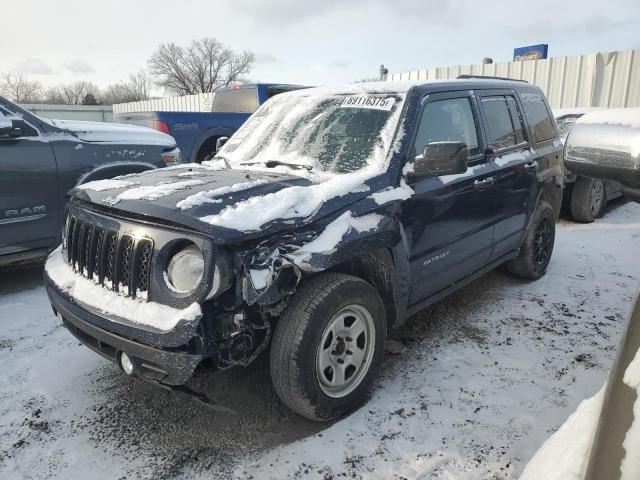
20	89
74	93
54	96
140	85
204	66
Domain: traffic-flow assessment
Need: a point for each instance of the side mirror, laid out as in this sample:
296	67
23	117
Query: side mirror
441	158
220	142
6	125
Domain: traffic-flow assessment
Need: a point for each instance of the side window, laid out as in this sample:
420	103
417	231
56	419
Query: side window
538	116
448	120
516	118
500	128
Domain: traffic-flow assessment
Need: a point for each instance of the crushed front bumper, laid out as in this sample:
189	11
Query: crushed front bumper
161	356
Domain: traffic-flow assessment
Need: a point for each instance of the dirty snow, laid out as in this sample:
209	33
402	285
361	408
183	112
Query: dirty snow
290	202
100	185
211	196
483	378
630	467
565	455
100	299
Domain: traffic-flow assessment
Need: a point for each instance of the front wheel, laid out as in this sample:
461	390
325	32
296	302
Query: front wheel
537	247
327	345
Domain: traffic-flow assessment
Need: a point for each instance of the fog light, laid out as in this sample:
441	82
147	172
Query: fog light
126	364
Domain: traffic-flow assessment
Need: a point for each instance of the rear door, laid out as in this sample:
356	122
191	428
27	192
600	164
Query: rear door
449	219
29	199
509	152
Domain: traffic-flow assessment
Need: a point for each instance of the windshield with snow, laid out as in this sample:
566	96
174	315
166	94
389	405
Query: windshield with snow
337	133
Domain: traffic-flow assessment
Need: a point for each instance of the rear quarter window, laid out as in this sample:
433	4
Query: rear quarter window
236	100
538	116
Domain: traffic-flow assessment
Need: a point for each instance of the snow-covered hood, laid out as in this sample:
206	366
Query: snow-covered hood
114	133
230	206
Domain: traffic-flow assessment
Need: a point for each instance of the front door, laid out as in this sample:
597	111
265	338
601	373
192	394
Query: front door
449	220
29	199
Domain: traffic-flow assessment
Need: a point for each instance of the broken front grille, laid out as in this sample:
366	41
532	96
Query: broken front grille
119	262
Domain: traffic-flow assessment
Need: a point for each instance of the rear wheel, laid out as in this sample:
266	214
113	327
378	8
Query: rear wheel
537	247
327	345
588	199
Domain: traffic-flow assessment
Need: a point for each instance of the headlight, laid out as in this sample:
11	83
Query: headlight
185	270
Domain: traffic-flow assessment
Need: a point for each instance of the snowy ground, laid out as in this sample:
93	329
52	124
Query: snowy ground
475	386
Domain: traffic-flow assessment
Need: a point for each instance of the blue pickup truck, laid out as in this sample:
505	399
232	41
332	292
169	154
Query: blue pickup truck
196	133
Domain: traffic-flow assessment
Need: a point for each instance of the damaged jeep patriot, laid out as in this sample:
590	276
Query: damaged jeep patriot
326	220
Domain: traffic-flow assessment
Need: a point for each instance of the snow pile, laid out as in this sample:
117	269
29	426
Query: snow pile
260	278
153	192
402	192
210	196
100	185
331	236
288	203
97	298
114	132
564	456
513	157
215	164
630	467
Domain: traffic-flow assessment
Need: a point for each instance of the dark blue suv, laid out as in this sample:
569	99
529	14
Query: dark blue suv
327	219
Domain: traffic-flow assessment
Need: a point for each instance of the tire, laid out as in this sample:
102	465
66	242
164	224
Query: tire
588	199
309	334
537	247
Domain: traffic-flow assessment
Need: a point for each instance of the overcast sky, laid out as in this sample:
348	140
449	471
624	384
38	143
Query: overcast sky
303	41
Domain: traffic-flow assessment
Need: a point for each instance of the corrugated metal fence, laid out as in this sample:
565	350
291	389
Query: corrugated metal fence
200	102
604	79
93	113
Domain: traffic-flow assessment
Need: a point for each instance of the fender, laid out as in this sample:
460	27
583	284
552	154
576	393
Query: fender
111	170
373	244
206	135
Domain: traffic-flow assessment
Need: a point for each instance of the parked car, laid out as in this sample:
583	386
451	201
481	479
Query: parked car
198	132
327	219
40	160
584	197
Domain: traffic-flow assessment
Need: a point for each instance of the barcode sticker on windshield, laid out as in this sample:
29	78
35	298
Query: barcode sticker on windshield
375	103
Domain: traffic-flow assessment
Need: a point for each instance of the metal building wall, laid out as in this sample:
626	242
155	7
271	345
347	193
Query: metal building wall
604	79
187	103
91	113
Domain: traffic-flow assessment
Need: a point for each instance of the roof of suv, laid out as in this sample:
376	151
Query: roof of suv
424	85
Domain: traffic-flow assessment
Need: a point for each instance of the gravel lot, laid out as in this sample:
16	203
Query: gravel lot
470	388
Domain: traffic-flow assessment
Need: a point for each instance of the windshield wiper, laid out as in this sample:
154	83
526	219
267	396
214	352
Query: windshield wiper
275	163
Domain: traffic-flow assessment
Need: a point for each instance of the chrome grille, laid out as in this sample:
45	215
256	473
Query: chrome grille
119	262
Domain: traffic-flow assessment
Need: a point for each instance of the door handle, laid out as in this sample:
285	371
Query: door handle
480	184
531	167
